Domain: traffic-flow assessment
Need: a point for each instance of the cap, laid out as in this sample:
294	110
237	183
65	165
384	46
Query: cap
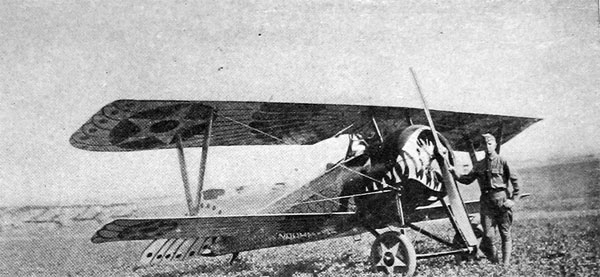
488	136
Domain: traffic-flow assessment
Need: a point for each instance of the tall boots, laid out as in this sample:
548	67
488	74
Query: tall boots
506	251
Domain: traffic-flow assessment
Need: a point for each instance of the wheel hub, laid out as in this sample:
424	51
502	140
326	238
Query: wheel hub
388	259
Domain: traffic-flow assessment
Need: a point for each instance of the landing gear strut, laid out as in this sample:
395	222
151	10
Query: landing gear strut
476	254
393	253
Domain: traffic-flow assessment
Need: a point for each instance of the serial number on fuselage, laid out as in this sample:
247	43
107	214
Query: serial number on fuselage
305	235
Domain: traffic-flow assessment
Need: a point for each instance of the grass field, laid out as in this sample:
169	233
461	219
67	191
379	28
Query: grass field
552	246
556	233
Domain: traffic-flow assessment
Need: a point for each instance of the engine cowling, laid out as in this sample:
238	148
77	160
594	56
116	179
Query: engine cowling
405	160
416	166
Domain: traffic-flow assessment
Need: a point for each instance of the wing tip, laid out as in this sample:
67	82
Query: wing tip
76	142
97	239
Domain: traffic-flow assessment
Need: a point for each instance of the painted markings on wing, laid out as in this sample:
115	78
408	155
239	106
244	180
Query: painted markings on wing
183	250
203	247
164	250
160	255
208	242
193	250
169	254
150	251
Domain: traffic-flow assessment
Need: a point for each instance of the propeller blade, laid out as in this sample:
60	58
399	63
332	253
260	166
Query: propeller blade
454	202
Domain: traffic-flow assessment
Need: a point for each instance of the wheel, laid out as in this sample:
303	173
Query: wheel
393	253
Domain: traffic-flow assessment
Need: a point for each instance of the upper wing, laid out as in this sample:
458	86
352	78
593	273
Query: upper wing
129	125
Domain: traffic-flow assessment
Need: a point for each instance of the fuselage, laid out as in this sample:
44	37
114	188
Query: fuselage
361	184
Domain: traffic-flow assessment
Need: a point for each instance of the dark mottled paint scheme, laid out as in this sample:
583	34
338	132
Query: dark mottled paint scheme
237	233
129	125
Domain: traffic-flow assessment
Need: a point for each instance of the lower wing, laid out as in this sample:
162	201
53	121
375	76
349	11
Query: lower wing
257	230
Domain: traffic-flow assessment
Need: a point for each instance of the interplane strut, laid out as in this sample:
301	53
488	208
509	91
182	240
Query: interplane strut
184	176
203	159
193	208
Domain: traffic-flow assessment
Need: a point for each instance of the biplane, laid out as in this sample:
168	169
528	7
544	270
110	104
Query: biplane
396	166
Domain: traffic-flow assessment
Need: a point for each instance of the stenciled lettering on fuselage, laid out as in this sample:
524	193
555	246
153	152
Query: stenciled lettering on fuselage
300	236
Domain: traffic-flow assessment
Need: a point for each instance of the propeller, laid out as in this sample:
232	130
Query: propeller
455	204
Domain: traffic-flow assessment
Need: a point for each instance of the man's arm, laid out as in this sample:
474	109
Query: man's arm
466	179
514	180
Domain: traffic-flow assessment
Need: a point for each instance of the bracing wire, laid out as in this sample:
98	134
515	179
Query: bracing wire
341	197
252	128
340	164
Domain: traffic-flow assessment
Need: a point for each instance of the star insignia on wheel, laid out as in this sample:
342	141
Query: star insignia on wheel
389	258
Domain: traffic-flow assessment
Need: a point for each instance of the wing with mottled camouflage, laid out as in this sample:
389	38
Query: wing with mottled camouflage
229	234
130	125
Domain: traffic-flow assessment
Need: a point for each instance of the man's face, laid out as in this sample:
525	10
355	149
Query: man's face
490	146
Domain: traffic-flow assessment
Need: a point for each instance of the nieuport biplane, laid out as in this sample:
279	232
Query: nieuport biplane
396	166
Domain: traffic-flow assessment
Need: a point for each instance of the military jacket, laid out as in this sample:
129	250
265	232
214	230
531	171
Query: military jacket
492	173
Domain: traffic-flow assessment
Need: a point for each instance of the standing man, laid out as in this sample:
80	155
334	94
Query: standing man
493	175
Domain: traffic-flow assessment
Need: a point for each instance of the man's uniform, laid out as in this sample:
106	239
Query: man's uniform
493	174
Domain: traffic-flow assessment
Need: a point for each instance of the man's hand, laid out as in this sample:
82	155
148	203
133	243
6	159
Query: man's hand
509	204
452	171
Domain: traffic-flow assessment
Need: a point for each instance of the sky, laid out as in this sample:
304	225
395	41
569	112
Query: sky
60	62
